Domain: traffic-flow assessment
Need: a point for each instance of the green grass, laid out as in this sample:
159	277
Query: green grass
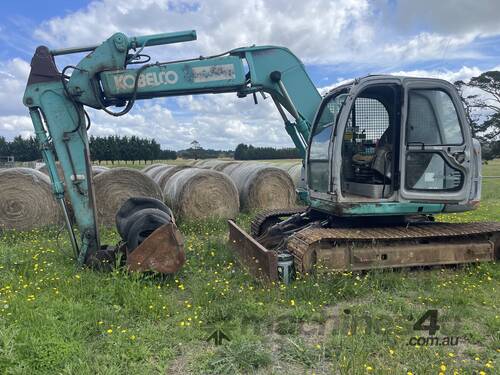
57	318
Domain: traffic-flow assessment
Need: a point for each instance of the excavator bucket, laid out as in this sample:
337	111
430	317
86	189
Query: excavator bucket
259	261
162	251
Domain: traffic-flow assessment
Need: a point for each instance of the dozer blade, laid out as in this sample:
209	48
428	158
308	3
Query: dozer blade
259	261
162	251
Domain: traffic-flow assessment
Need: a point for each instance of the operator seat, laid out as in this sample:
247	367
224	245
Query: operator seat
382	160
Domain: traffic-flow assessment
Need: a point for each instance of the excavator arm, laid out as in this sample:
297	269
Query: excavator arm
102	80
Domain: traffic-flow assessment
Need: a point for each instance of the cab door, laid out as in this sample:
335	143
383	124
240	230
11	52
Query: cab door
436	144
319	150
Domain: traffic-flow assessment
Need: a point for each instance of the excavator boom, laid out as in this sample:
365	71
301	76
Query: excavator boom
102	79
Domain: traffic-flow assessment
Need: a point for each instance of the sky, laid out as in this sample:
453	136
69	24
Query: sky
337	40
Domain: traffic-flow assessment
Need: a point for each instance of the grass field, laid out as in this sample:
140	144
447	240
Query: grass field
57	318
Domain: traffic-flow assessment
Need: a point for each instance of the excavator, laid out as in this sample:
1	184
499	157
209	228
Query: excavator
381	156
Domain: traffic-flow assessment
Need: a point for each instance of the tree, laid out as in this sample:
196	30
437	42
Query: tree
24	149
481	98
167	154
97	146
153	150
4	147
240	153
245	152
491	150
195	146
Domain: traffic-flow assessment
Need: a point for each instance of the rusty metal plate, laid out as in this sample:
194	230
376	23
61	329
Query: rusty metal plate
162	251
259	261
402	255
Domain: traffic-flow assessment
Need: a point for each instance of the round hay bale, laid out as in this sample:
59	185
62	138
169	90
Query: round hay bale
199	193
26	200
190	162
113	187
261	186
205	163
153	171
199	163
45	170
163	174
294	169
149	167
229	167
216	164
295	173
96	169
223	165
286	166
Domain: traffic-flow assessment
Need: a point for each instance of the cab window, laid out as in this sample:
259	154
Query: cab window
432	119
323	130
320	143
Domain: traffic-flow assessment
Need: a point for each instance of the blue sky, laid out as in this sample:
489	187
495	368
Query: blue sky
337	40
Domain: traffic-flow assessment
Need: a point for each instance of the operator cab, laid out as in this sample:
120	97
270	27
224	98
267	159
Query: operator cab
388	139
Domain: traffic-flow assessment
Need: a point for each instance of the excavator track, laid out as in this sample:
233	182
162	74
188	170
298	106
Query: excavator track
265	217
348	245
421	244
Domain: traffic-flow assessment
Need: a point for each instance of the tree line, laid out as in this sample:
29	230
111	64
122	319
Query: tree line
110	148
249	152
134	149
201	153
114	148
22	149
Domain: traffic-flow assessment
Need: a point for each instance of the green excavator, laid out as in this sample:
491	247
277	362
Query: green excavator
381	155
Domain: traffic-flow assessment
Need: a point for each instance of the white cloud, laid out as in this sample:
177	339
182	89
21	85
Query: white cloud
151	120
216	121
450	16
340	25
13	78
318	31
463	74
11	126
429	46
